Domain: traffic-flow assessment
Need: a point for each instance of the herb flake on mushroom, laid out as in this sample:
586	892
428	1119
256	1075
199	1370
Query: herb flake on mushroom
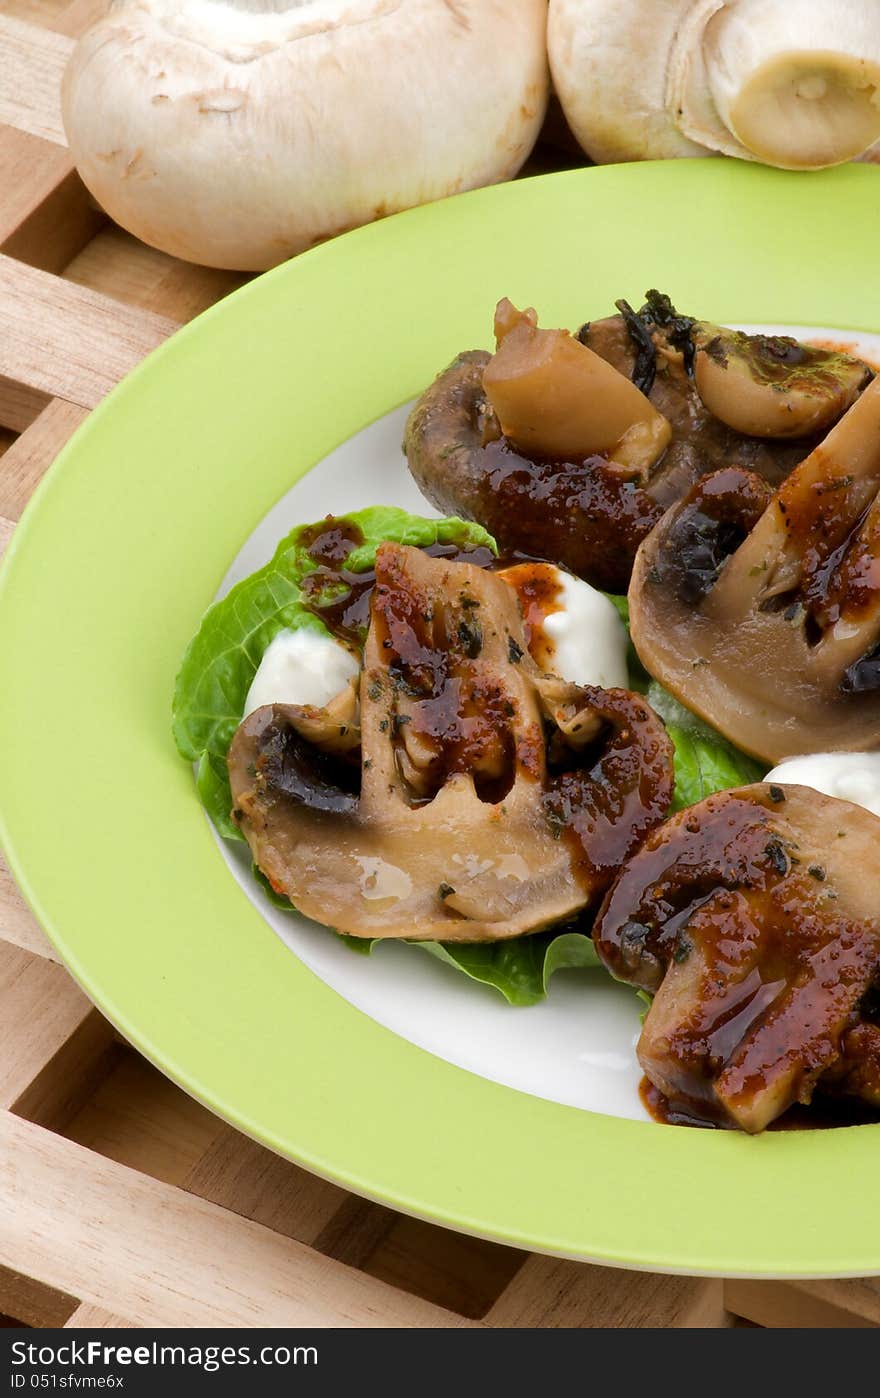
236	133
489	799
793	83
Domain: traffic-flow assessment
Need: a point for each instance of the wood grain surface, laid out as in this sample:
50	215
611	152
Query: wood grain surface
123	1202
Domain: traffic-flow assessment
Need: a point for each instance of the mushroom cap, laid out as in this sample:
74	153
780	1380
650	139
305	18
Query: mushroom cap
237	134
762	614
461	821
754	918
609	63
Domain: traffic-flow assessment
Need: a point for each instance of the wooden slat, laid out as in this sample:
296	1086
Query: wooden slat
62	341
29	1302
117	264
46	215
791	1305
141	1119
32	61
42	1010
243	1176
18	925
858	1296
174	1259
75	19
464	1274
96	1318
26	461
20	405
551	1293
6	528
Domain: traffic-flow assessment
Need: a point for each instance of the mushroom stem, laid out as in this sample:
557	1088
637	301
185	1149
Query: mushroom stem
797	82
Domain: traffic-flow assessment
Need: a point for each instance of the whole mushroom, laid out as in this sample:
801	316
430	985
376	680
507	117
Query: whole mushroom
793	83
238	132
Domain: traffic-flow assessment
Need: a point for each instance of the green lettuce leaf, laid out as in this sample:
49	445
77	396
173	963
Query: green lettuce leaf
520	968
704	761
224	655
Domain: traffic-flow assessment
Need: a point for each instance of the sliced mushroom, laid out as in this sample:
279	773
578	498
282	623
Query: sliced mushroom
772	385
588	508
762	613
753	918
490	799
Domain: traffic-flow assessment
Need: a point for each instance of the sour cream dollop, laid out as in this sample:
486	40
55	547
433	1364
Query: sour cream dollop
301	667
851	776
574	631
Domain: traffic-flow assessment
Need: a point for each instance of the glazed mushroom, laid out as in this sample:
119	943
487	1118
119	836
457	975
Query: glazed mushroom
794	83
238	132
762	613
772	385
559	484
753	920
489	799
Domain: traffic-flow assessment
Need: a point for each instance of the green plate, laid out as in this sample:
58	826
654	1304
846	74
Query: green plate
124	545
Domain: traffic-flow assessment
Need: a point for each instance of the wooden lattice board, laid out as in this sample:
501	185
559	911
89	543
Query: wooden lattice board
122	1201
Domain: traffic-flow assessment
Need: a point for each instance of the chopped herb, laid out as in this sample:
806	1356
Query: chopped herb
383	725
683	948
817	872
777	856
374	692
444	891
400	720
777	794
514	652
471	637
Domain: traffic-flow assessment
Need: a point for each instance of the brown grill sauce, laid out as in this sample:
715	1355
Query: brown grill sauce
823	1114
346	613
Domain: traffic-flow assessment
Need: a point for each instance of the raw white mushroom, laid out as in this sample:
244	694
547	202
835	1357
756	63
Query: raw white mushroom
794	83
238	132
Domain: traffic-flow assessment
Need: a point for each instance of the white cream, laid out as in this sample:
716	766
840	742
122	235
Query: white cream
301	667
587	638
580	637
850	776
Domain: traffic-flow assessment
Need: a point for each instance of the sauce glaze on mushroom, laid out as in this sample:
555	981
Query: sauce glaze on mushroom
486	798
753	919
